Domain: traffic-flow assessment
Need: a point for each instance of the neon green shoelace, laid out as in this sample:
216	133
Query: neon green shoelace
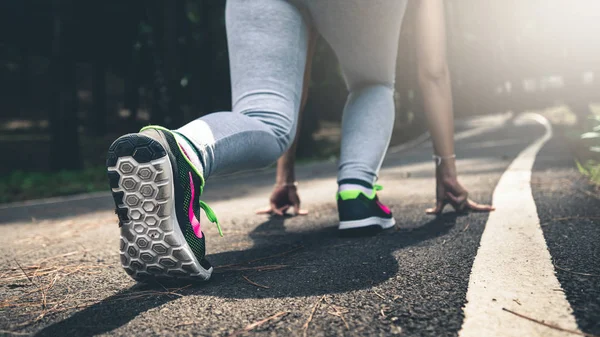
210	214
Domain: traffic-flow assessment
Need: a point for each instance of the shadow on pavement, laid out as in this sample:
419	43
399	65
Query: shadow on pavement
313	263
108	314
316	260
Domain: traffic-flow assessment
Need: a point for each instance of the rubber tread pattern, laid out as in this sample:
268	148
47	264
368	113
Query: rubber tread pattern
149	246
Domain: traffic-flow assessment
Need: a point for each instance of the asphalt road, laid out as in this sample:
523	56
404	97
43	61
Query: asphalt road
61	274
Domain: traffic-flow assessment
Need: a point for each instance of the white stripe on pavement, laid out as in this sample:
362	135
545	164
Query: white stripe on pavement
513	268
490	123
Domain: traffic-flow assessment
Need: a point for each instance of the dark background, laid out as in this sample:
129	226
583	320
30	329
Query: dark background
74	75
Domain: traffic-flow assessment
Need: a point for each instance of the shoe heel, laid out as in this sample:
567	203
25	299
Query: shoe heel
151	245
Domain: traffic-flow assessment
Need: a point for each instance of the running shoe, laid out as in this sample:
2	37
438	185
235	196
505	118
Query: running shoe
361	213
157	190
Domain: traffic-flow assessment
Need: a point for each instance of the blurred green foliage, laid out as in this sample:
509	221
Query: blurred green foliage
590	169
590	165
20	185
593	136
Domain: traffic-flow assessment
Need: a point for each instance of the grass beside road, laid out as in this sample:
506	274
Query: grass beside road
588	142
590	169
19	185
583	137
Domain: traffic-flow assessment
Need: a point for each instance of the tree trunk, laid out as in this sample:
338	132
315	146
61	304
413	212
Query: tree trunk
171	70
206	61
63	107
24	99
132	94
160	100
99	112
131	99
24	80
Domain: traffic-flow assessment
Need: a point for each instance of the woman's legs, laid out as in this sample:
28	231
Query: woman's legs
267	42
364	36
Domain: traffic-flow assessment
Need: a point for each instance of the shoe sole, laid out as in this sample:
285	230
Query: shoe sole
152	245
372	222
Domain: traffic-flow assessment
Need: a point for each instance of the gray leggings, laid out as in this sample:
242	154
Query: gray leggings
268	42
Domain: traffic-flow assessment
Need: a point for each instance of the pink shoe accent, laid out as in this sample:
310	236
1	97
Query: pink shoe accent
193	220
384	208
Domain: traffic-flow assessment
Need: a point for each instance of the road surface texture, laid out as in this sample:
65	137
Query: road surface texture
529	269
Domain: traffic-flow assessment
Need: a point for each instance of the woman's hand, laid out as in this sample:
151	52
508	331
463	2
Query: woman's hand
450	191
282	199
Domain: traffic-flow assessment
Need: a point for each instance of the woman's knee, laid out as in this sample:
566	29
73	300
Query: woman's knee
280	124
276	110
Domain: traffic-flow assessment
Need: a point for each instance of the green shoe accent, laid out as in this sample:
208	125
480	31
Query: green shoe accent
353	194
210	214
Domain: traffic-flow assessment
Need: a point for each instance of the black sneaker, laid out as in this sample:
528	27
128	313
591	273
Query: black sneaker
361	213
157	191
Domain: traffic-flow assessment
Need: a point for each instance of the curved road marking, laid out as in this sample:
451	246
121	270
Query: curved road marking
513	268
471	132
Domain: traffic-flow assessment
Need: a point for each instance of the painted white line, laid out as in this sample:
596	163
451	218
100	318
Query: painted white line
411	144
491	124
476	132
513	268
